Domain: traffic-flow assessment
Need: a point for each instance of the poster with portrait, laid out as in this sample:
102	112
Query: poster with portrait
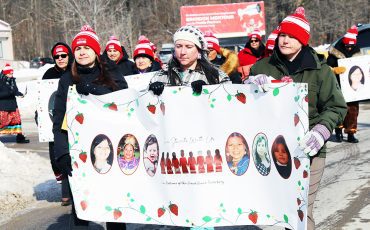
46	90
226	157
355	81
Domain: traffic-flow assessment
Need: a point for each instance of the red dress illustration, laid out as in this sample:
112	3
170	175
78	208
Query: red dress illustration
169	164
184	165
192	162
218	162
209	163
175	163
200	162
163	166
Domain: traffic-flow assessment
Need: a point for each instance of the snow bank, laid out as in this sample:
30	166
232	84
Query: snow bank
24	178
31	73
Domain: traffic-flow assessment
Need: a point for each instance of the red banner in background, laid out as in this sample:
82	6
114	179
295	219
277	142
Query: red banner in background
226	20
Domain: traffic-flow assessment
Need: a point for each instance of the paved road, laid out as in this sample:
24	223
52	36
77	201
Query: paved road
343	201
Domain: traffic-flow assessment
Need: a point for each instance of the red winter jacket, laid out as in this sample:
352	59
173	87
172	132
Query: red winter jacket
246	57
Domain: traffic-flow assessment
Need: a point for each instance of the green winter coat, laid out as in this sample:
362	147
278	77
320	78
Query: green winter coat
326	103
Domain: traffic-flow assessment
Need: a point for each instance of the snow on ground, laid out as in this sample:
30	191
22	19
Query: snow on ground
24	176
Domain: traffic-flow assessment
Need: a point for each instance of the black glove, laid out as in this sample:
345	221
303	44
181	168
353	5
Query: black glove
235	78
157	87
64	165
84	87
19	94
197	86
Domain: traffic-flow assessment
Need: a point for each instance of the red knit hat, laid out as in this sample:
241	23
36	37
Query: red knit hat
212	41
350	38
270	44
297	26
86	37
113	43
255	34
60	48
143	50
143	40
154	48
7	69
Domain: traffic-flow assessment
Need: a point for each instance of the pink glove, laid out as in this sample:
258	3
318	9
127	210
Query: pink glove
313	141
286	79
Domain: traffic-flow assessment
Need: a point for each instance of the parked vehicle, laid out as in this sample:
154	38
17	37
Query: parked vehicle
37	62
166	52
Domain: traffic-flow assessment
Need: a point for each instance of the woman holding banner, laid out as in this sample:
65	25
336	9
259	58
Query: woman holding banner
294	57
91	74
190	65
63	57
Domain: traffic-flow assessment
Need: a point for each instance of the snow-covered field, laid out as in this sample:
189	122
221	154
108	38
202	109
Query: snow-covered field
24	175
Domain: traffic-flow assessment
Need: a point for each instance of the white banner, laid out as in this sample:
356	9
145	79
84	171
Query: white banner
355	81
226	157
139	81
46	96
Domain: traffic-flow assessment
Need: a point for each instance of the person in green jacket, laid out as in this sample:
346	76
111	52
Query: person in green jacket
295	60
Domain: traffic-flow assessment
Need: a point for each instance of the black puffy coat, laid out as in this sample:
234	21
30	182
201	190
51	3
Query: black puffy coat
55	72
8	90
125	66
89	75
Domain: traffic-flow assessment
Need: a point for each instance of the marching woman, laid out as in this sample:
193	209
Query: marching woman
117	53
190	65
10	118
63	57
144	59
91	74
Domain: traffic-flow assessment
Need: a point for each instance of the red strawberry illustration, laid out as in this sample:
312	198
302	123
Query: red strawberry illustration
161	211
163	108
306	98
75	164
80	118
253	216
305	174
151	108
298	201
117	214
297	162
83	204
174	209
112	106
241	97
296	119
83	156
300	214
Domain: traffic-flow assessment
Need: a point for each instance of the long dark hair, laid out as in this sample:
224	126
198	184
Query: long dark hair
353	68
97	140
203	64
284	171
235	134
105	77
256	52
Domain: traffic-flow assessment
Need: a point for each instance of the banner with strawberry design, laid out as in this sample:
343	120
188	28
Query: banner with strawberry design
46	90
226	157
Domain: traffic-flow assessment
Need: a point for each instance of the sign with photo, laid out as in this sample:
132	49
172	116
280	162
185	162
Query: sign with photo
226	157
46	96
355	81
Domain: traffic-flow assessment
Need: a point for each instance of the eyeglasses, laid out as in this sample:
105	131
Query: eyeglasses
252	41
60	55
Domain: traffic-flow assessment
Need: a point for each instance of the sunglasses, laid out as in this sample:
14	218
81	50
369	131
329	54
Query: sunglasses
60	55
252	41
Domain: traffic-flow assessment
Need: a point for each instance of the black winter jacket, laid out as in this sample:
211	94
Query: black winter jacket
125	66
90	75
8	90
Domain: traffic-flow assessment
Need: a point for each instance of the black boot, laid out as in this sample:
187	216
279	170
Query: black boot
351	138
21	139
338	135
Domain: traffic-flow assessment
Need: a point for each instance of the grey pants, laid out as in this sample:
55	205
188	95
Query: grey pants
317	170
